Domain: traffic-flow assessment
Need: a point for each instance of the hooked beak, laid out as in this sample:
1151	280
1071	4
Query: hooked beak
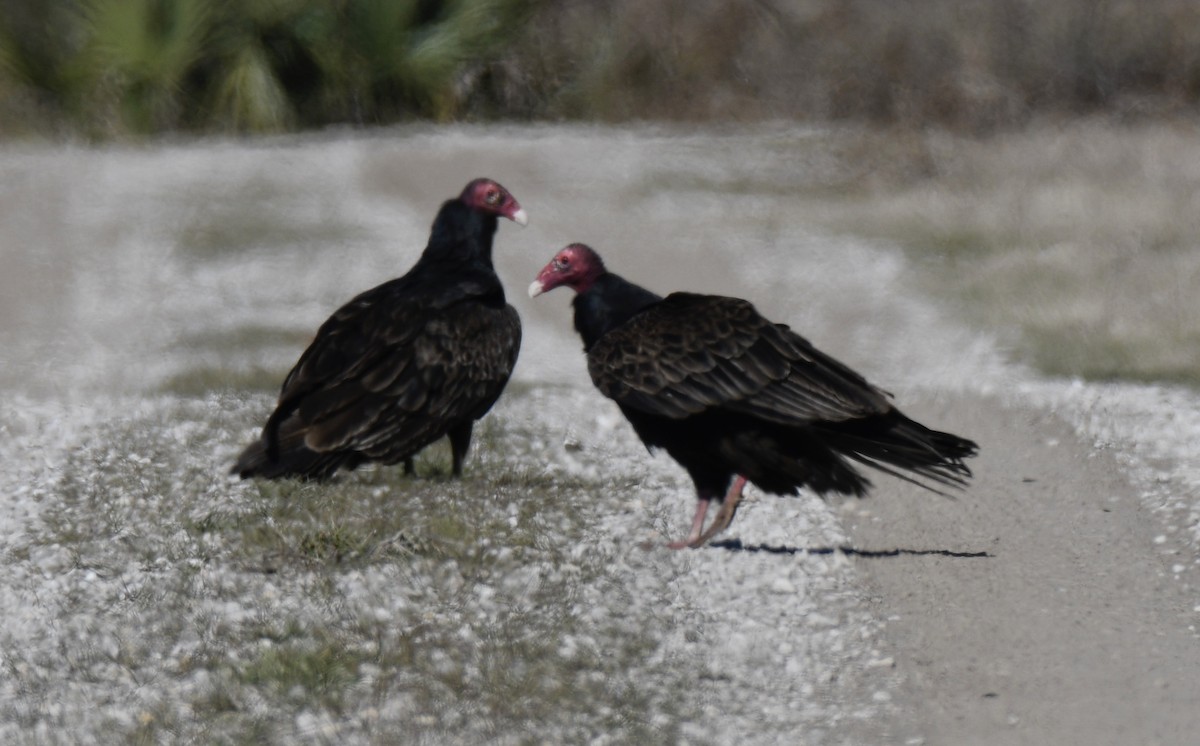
519	217
547	279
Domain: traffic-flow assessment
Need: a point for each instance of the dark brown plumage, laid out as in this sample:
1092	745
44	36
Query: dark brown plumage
733	396
406	363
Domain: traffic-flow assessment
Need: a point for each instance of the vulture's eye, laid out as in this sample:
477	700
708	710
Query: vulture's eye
493	197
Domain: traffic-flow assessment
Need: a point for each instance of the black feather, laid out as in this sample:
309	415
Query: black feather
401	365
725	392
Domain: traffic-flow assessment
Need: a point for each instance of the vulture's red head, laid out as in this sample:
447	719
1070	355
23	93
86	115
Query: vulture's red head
486	195
576	266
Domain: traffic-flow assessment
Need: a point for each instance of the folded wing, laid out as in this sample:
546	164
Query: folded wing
695	353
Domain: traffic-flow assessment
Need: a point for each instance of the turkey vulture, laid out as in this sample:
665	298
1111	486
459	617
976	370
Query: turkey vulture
401	365
734	397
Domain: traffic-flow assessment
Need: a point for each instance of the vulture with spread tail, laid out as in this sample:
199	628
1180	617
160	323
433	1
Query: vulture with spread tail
406	363
734	397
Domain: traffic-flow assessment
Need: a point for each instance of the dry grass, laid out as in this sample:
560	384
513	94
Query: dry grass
378	608
1082	241
971	67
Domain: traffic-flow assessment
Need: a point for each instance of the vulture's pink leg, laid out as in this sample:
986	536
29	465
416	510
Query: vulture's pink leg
725	515
697	525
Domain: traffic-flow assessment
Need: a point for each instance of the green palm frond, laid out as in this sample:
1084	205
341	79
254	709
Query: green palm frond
139	52
150	41
126	66
422	59
379	33
8	62
250	96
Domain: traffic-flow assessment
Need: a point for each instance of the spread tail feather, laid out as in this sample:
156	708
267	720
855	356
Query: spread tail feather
899	443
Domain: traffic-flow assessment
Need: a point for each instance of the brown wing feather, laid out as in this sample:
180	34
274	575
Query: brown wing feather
692	353
365	334
404	382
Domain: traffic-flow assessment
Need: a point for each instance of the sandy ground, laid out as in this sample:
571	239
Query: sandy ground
1074	631
1079	626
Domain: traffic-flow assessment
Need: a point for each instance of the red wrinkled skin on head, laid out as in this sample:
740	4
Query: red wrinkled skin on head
489	196
577	266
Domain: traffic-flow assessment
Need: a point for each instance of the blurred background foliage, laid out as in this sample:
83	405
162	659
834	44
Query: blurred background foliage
116	67
111	68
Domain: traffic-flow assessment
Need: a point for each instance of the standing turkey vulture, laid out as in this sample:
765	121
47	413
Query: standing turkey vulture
734	397
401	365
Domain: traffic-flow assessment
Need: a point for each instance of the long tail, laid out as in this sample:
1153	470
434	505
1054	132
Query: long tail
895	444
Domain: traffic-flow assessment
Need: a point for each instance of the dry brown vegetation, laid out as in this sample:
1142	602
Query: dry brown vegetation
115	67
968	65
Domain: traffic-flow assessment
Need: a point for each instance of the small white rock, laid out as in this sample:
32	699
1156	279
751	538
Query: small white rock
782	586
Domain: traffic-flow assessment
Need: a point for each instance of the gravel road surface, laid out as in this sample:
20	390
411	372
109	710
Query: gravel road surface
1057	600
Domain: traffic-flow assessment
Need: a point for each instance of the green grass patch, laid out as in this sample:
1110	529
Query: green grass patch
207	380
246	338
1077	245
237	226
226	353
303	672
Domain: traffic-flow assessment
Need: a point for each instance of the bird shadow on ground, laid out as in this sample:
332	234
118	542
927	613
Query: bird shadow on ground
736	545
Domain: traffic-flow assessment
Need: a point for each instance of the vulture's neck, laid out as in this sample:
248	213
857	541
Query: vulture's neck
461	237
607	304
